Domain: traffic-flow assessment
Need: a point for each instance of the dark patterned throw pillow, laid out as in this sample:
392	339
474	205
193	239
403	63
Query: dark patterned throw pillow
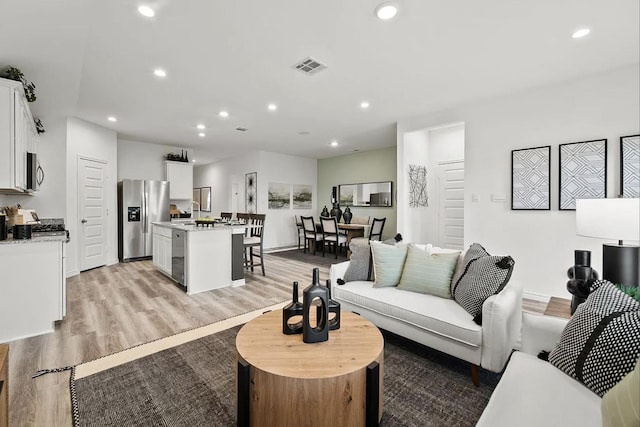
481	276
601	342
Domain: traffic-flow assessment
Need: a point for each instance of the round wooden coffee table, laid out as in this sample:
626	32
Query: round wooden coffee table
283	381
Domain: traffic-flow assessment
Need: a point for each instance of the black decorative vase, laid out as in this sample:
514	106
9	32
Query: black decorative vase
336	211
289	312
325	212
315	291
334	308
347	215
581	277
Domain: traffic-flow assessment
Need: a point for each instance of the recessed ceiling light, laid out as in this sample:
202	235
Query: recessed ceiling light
112	119
200	126
223	114
272	107
146	11
334	143
193	160
580	33
159	72
364	105
386	11
202	134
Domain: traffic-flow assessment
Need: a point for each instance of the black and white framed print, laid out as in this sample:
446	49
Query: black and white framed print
251	192
583	172
630	166
531	178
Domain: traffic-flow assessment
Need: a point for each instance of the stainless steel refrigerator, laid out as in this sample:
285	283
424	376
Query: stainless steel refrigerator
139	204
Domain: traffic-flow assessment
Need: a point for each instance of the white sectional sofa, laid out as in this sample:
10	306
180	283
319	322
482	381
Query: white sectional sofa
535	393
436	322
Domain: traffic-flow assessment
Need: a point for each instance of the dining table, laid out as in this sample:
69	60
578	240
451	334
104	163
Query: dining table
352	230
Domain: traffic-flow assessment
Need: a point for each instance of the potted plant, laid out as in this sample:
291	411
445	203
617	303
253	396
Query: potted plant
13	73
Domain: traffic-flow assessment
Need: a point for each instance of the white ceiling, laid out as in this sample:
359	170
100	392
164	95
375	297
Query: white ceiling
92	59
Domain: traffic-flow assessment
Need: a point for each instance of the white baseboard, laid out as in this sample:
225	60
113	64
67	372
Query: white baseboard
536	297
280	249
113	261
72	273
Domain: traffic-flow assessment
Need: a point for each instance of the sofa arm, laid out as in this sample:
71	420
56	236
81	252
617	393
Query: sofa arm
501	325
337	272
541	332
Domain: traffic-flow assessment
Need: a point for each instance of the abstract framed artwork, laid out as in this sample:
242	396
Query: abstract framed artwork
583	172
251	192
531	178
279	195
302	196
630	166
418	196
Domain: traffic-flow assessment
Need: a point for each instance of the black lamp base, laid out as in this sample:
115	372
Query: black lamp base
620	264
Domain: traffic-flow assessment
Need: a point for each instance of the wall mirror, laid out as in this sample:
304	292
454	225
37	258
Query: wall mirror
366	194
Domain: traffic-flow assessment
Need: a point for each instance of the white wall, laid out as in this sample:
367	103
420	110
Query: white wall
50	199
280	229
428	147
143	160
85	139
542	243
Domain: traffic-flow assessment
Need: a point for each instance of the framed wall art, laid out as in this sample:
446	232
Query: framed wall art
251	192
531	178
279	195
302	196
583	172
630	166
418	196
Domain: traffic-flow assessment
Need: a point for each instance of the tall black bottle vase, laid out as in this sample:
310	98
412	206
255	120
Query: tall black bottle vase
319	332
292	311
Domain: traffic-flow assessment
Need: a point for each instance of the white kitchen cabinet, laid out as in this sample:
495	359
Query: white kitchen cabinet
17	136
32	289
180	175
162	249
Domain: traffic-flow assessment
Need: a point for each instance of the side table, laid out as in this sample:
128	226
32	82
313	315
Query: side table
282	381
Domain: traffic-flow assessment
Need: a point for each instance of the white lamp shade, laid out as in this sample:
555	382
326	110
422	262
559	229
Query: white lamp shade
615	219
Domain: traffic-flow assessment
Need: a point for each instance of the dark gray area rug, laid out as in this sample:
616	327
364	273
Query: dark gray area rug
194	385
317	259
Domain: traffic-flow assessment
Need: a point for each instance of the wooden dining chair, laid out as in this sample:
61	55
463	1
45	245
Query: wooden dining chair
226	215
376	228
254	239
311	235
331	235
299	228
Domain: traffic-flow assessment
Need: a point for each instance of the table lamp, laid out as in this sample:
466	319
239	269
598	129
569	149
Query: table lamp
613	219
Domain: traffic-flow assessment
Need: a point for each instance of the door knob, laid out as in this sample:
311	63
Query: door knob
83	221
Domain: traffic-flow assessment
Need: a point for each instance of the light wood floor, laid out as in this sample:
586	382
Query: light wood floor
113	308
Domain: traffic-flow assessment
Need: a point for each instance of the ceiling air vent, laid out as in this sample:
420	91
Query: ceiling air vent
242	129
309	66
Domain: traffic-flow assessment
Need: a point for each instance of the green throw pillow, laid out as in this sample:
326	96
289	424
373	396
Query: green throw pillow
428	273
388	262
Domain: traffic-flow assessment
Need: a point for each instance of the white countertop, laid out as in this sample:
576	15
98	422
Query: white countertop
195	228
41	239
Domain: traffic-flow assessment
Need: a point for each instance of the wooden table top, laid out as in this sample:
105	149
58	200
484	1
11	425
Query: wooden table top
263	345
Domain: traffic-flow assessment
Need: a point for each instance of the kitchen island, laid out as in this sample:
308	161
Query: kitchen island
33	286
199	258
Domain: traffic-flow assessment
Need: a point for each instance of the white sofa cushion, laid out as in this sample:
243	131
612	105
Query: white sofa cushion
535	393
440	316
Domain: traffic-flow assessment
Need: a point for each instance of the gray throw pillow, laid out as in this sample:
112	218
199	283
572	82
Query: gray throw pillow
601	342
359	267
483	275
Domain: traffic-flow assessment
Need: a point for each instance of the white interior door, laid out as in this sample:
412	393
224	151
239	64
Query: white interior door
451	205
92	203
